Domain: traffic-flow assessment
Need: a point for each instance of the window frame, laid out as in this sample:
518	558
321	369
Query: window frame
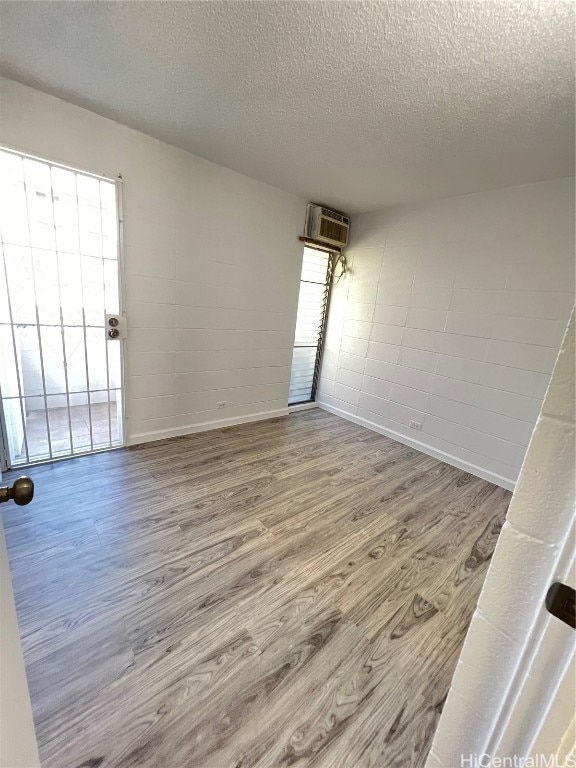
332	260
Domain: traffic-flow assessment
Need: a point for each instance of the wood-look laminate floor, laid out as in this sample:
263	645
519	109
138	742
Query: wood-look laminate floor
293	592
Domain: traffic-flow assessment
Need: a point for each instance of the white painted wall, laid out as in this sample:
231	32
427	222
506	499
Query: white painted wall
452	316
515	652
212	264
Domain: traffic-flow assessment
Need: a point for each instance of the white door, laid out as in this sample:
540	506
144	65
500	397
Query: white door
541	712
60	374
18	748
557	734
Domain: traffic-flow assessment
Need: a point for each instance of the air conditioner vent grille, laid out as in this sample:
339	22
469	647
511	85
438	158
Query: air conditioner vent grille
337	216
333	231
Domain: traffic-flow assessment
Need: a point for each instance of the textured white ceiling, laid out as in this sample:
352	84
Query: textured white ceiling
358	104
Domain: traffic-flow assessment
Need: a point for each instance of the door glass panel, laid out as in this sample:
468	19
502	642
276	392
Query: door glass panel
59	424
96	348
111	298
15	420
10	366
80	420
75	359
93	290
36	427
70	278
53	359
39	204
4	307
60	377
20	279
100	413
13	213
114	366
45	266
29	360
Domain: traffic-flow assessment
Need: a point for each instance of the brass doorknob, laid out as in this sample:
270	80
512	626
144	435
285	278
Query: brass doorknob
21	493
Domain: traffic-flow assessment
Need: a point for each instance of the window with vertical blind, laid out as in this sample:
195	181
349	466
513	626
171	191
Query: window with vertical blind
312	305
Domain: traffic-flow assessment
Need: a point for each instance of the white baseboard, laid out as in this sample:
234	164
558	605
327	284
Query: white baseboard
473	469
302	407
163	434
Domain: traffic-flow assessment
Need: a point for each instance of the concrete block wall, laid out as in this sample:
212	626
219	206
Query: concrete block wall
451	317
211	269
529	556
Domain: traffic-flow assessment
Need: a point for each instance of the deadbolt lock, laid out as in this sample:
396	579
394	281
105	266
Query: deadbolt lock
115	327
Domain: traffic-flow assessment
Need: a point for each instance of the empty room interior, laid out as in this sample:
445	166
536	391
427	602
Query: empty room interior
287	384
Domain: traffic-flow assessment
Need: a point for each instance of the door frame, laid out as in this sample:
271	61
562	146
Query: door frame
3	440
118	182
535	684
333	258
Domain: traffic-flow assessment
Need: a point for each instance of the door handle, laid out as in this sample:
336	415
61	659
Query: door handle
561	602
21	493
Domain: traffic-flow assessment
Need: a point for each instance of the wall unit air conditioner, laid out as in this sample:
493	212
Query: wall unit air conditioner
326	226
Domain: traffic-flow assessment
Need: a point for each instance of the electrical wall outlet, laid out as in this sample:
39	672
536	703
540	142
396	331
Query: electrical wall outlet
221	404
416	425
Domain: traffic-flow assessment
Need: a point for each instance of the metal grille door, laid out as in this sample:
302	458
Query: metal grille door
60	379
312	304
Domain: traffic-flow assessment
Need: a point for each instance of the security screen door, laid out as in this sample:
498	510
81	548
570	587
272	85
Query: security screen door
60	378
310	321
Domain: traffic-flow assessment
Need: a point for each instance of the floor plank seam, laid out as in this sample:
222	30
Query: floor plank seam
271	594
